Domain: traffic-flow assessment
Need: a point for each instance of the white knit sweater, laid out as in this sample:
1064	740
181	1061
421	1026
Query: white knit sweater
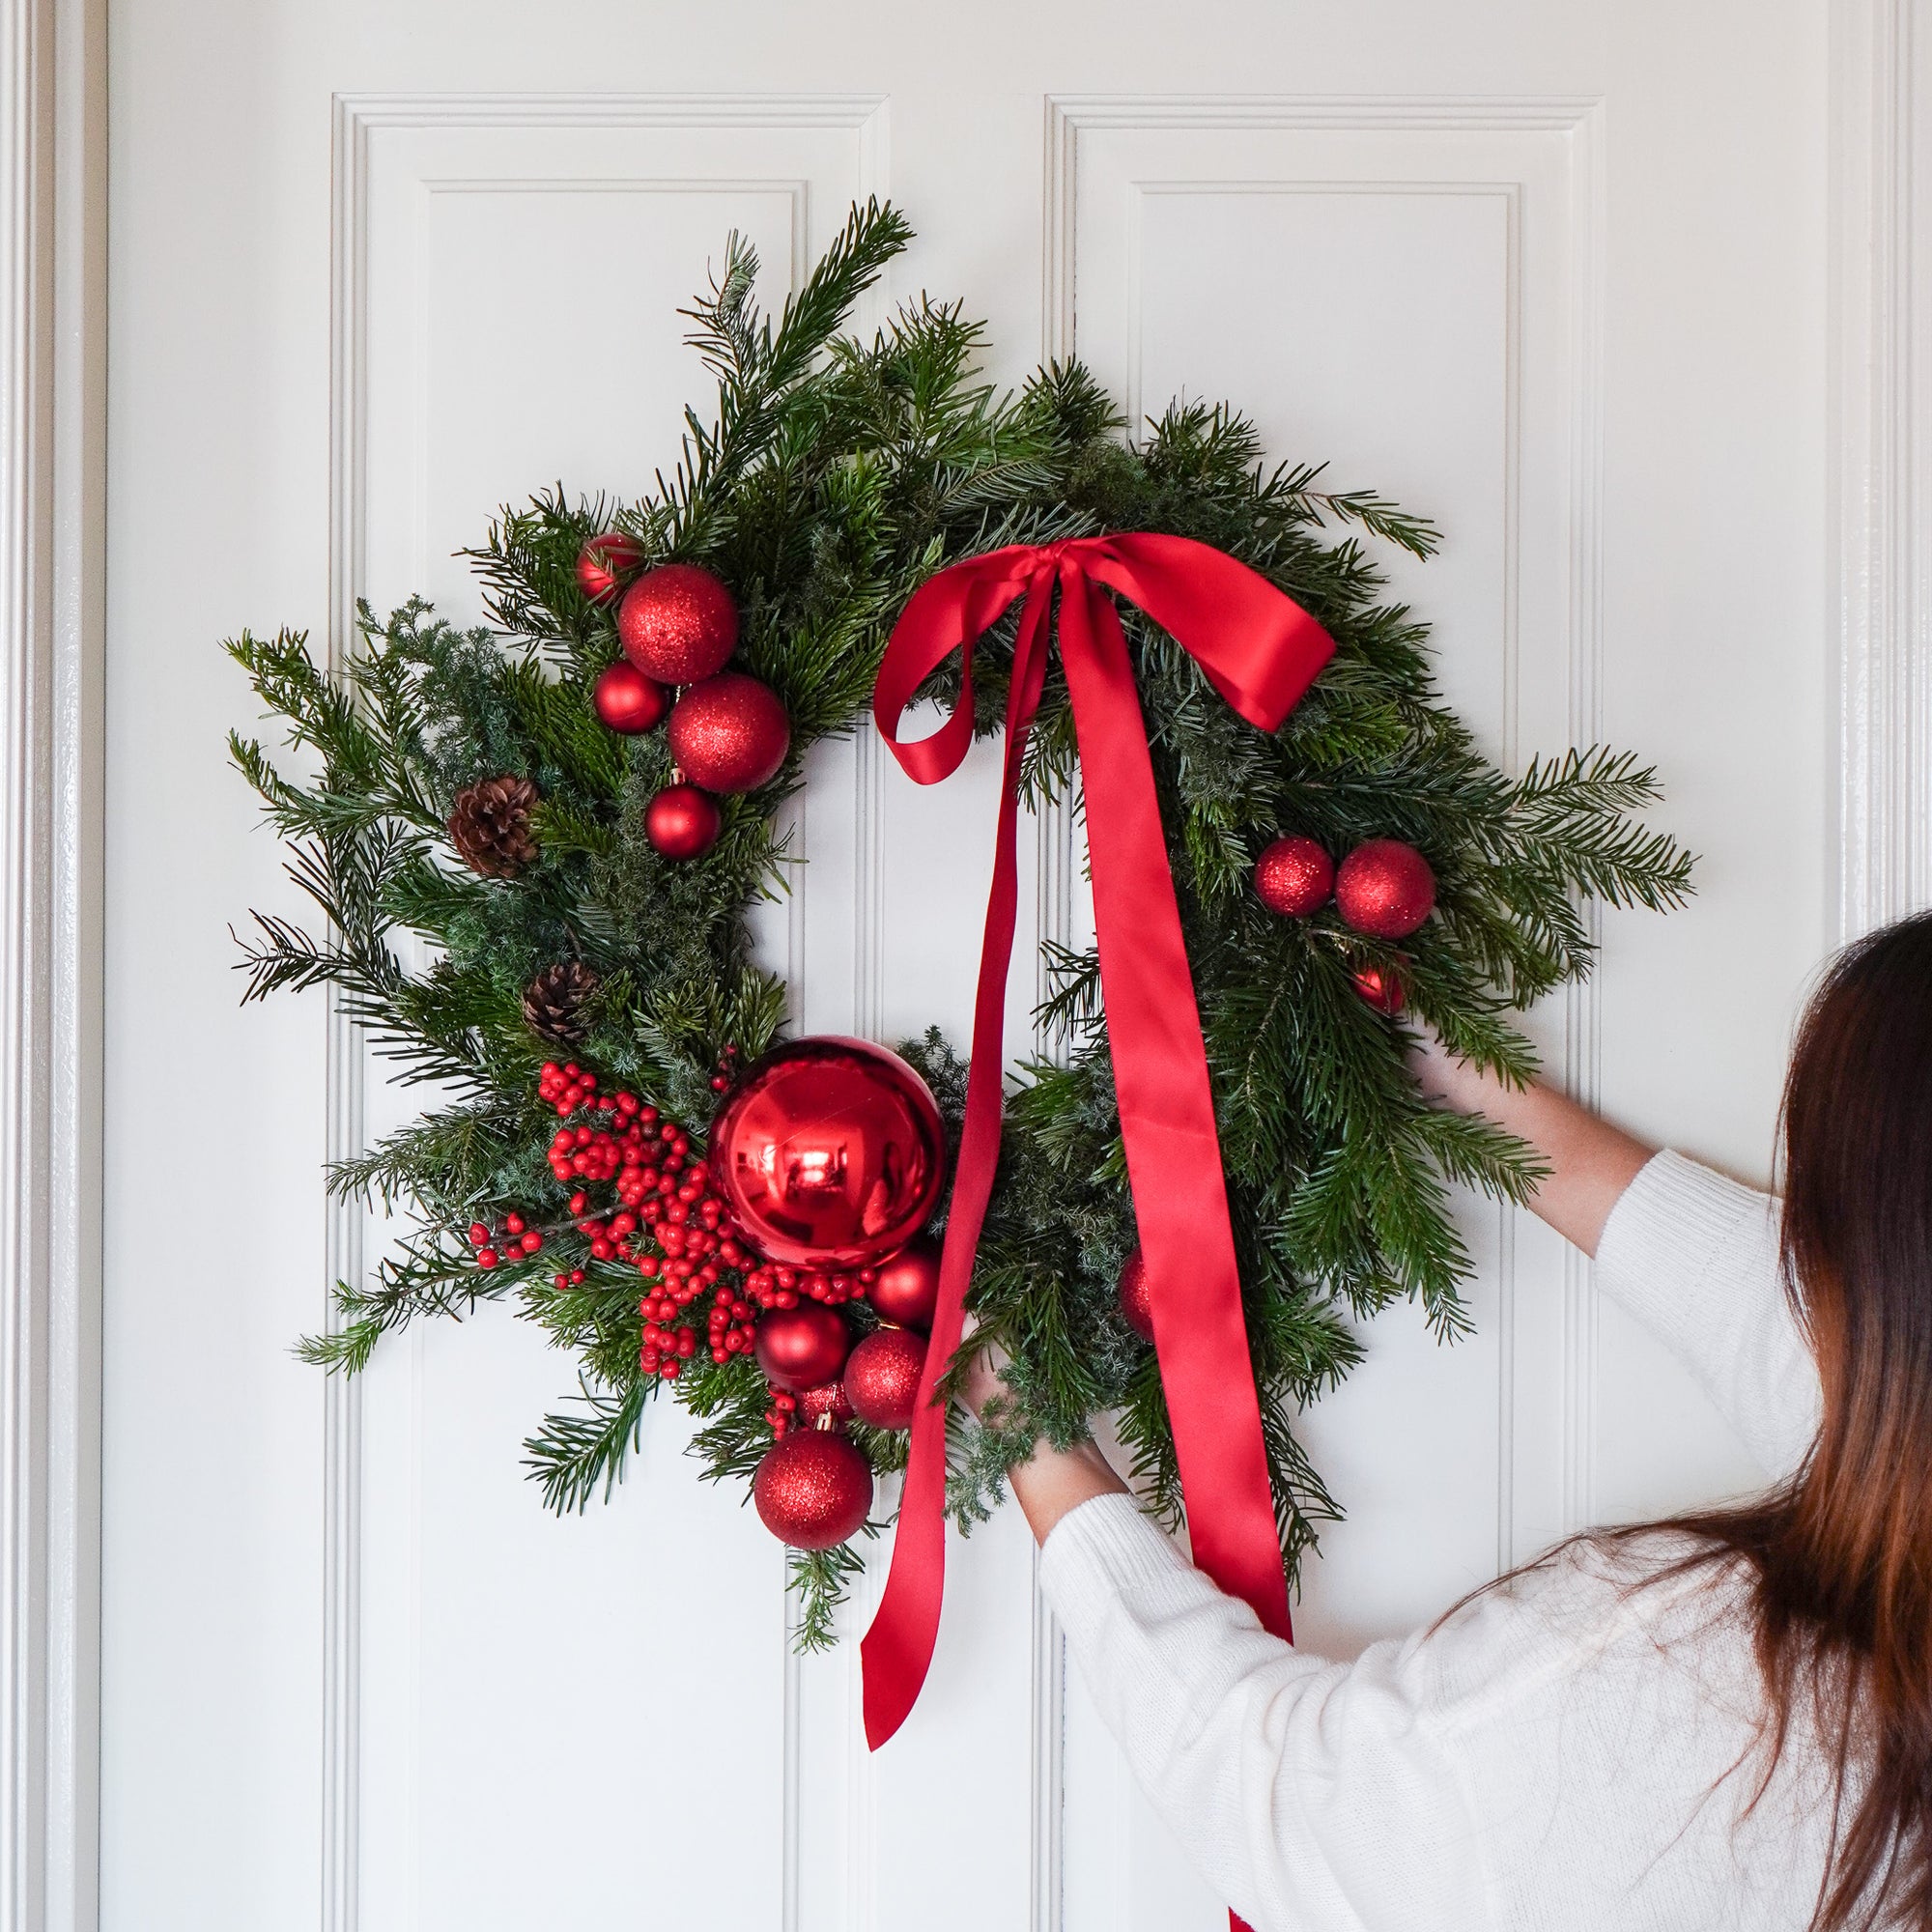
1555	1756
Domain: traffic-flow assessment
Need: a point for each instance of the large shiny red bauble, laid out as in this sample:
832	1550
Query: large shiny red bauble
830	1153
1385	889
604	563
907	1288
682	823
1381	986
882	1377
729	733
799	1348
1294	877
678	623
813	1490
627	701
827	1399
1136	1306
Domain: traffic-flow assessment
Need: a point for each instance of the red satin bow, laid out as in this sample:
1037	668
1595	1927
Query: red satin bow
1261	651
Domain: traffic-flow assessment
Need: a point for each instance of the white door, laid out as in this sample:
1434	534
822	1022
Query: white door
1552	274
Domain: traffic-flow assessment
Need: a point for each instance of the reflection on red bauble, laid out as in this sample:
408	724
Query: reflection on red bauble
813	1490
799	1348
729	733
627	701
1381	986
827	1399
1294	877
1135	1304
682	823
678	623
907	1288
882	1377
604	563
829	1153
1385	889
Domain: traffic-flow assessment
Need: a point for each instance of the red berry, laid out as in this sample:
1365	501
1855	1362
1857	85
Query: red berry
486	1258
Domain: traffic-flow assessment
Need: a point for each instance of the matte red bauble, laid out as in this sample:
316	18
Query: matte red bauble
882	1377
829	1153
1382	987
678	623
799	1348
729	733
627	701
1135	1304
1386	889
682	823
604	563
813	1490
1294	877
828	1399
907	1288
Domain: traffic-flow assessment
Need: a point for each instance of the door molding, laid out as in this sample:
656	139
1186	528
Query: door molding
53	517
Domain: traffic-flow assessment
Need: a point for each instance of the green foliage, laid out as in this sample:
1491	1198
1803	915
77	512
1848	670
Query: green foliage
834	477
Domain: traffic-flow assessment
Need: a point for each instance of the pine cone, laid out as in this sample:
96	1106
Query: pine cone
555	1001
490	827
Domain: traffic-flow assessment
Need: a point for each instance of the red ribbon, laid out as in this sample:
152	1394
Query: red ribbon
1261	650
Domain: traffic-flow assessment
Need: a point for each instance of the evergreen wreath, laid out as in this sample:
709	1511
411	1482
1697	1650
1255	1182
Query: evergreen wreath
467	792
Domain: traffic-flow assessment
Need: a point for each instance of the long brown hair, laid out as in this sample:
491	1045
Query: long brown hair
1839	1557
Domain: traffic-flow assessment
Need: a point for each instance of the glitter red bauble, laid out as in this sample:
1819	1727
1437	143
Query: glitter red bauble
907	1288
813	1490
830	1153
1382	987
604	563
882	1377
627	701
678	623
827	1399
1294	877
1386	889
682	823
799	1348
729	733
1135	1304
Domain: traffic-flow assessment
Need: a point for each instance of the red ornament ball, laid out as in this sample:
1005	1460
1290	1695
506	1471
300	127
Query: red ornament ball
682	823
814	1489
1135	1304
729	733
1382	987
678	623
799	1348
830	1153
627	701
882	1377
1294	877
1386	889
604	563
908	1288
828	1399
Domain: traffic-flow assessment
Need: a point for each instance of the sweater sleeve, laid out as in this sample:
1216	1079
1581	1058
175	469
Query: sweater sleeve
1288	1780
1695	1258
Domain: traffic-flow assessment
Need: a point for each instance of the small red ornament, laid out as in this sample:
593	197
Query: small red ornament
1294	877
1382	987
907	1288
814	1489
627	701
828	1399
1386	889
1135	1304
682	823
729	733
799	1348
882	1377
602	564
830	1153
678	623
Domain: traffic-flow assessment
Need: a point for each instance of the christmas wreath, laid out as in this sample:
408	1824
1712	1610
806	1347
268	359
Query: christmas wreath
574	808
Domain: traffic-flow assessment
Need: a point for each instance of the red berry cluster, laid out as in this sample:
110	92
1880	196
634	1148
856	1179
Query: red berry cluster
773	1287
727	1076
517	1238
